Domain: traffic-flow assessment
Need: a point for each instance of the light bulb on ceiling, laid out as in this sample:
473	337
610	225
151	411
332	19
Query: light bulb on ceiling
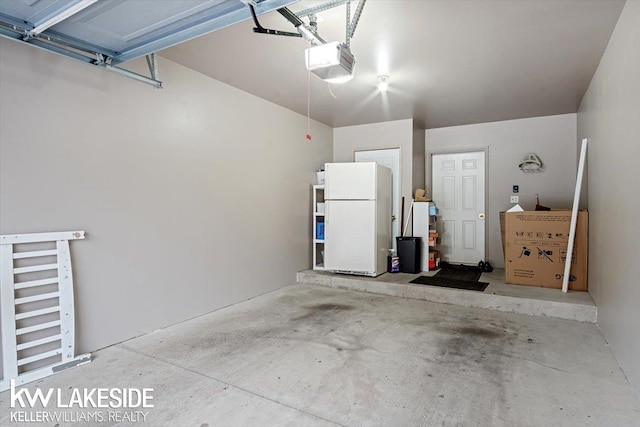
383	83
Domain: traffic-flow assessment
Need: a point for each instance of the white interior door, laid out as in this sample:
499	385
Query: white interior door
458	187
391	159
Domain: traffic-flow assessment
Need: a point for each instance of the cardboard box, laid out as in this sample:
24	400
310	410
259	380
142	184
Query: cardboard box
536	249
433	238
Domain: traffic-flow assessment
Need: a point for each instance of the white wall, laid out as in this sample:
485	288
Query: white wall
394	134
193	197
418	162
609	116
552	138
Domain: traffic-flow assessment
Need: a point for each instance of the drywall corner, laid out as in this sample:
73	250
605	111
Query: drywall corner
418	157
608	117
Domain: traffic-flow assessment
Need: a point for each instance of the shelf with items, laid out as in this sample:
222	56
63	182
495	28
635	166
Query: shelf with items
434	254
318	227
424	226
433	233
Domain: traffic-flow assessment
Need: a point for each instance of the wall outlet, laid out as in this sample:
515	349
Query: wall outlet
516	188
514	199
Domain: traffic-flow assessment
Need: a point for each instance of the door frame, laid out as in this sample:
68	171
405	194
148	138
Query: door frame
428	178
400	183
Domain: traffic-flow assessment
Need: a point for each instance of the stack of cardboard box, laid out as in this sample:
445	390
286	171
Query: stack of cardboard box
433	238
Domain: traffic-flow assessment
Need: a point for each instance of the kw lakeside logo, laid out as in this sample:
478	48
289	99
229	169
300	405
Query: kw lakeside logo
80	404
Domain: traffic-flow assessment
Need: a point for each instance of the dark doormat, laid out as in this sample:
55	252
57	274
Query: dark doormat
448	266
470	285
468	275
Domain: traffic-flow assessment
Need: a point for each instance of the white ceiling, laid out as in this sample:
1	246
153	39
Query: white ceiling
449	62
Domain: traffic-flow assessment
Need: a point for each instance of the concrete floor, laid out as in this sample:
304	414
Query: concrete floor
308	355
498	295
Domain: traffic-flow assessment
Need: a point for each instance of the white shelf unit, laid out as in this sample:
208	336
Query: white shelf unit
318	217
424	225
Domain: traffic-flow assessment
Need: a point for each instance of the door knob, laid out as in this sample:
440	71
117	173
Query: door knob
481	216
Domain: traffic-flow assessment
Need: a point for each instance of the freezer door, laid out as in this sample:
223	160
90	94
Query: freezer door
349	181
350	236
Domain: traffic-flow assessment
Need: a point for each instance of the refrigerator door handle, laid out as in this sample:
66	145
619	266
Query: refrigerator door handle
326	220
326	213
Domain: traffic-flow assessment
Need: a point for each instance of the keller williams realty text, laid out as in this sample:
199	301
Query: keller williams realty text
78	417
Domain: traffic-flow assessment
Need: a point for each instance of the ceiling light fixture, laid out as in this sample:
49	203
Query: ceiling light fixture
383	83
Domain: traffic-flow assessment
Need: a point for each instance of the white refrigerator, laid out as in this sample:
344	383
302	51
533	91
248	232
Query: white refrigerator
357	234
